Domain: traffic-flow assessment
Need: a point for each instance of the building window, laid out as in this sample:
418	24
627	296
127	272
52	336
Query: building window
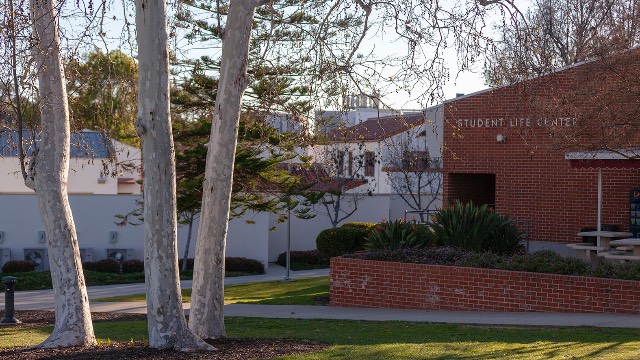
340	163
369	163
415	160
350	163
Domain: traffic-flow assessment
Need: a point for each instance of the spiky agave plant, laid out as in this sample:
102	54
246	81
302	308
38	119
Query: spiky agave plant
474	228
398	234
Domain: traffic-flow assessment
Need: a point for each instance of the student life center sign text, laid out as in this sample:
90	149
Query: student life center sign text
519	122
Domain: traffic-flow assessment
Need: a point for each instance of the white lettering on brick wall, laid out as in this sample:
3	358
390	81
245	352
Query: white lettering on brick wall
520	122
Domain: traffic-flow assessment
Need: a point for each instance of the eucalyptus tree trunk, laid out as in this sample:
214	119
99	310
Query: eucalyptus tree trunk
48	178
206	316
165	316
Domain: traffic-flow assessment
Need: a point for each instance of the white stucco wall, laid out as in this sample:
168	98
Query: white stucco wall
85	175
304	232
94	216
248	237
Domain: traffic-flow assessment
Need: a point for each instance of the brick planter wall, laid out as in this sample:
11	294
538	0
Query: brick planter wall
367	283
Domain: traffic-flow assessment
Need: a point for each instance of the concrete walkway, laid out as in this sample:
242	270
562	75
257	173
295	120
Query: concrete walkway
43	300
452	317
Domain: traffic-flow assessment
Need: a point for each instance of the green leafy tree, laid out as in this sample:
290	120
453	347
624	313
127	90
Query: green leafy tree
262	179
103	92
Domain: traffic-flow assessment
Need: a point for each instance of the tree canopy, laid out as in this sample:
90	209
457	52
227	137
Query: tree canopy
557	33
103	93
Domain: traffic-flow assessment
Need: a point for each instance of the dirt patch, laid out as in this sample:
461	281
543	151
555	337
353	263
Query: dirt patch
228	349
34	318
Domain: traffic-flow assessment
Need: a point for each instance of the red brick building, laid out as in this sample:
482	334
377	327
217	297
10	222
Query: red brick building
507	147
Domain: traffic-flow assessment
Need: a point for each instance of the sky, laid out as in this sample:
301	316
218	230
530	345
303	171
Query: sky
118	35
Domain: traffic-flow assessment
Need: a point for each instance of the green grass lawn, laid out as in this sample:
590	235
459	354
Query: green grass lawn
399	340
40	280
298	292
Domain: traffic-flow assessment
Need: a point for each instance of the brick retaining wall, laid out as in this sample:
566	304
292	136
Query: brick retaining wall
367	283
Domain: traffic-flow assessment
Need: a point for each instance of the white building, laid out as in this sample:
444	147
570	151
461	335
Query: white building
379	147
98	165
97	199
357	109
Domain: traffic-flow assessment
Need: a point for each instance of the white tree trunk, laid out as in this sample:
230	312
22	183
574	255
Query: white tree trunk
166	322
48	177
206	316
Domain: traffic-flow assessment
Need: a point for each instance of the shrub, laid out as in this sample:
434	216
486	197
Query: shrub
89	266
239	264
434	256
476	228
133	266
16	266
233	264
360	225
106	266
340	241
189	264
398	234
546	261
310	257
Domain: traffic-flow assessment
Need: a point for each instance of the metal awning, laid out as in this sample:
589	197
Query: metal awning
604	159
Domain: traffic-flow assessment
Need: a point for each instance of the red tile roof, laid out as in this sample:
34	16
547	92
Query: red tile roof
317	175
376	129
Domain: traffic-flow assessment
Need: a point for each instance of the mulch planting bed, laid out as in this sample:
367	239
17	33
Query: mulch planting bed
231	349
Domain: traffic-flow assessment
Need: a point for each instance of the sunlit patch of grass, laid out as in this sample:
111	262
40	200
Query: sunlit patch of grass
298	292
397	340
14	337
476	351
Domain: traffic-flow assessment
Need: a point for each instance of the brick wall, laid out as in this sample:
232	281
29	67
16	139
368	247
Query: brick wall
534	182
379	284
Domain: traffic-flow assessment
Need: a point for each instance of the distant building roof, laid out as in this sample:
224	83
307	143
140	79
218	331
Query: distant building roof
317	175
376	129
84	144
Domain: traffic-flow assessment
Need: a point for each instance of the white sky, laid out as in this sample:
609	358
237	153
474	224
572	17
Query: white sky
116	37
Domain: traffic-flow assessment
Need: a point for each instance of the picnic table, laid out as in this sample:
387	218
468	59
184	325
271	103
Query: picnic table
604	237
633	243
589	251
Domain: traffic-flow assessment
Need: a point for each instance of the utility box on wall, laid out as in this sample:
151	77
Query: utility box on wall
120	255
39	257
86	255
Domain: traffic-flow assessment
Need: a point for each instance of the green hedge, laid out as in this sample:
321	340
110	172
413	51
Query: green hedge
133	266
232	264
18	266
340	241
103	266
546	261
243	265
361	225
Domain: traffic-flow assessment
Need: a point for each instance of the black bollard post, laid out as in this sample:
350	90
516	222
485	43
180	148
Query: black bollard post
9	309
